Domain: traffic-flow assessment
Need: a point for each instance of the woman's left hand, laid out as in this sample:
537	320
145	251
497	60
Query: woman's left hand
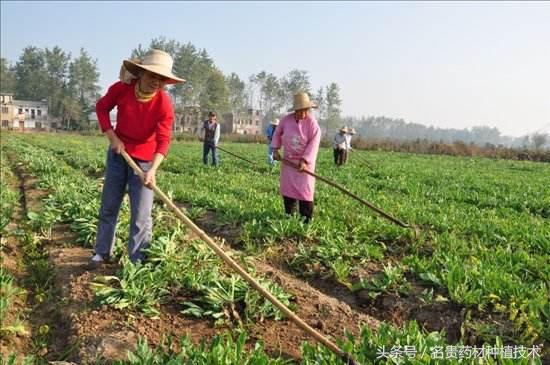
148	178
302	166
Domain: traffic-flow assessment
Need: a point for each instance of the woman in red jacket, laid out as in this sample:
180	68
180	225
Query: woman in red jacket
143	128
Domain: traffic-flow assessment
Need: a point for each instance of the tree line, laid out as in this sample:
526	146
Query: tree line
70	85
384	128
208	87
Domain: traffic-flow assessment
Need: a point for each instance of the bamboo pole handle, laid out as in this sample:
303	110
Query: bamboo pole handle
348	359
234	155
364	160
345	191
342	189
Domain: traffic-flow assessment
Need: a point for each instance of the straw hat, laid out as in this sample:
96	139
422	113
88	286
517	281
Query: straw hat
301	101
352	131
275	122
344	129
156	61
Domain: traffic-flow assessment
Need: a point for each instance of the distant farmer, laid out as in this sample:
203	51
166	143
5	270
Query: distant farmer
269	133
340	146
143	128
299	134
211	138
349	135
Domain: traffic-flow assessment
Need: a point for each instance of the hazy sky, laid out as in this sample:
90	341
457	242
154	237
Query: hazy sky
447	64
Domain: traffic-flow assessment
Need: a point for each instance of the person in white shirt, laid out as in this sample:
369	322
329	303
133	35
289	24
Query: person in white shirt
350	133
339	146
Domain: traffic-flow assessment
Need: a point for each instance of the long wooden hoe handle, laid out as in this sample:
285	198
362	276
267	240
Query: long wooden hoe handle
234	155
342	189
348	359
364	160
345	191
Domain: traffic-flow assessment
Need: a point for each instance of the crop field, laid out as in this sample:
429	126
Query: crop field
472	288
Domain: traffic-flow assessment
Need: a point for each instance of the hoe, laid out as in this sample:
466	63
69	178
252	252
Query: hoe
346	357
343	190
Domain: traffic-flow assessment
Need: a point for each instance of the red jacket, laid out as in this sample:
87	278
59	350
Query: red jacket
144	128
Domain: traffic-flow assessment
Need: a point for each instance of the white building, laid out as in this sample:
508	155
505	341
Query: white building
24	114
248	122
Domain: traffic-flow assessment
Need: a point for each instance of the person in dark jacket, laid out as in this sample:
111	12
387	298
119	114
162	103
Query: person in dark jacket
211	138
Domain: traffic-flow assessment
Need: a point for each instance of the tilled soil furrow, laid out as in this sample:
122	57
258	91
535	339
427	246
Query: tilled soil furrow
91	332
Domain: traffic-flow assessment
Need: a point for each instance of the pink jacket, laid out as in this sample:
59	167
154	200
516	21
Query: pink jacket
300	140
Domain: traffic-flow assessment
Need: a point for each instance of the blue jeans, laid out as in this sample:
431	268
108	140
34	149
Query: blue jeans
270	159
118	175
205	149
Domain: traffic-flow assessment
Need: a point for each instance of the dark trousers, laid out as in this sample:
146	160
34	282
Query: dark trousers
205	149
305	207
340	156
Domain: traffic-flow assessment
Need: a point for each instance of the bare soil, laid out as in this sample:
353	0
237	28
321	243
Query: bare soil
395	308
11	262
83	331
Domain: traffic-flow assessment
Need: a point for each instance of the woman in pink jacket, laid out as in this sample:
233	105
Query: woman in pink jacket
299	134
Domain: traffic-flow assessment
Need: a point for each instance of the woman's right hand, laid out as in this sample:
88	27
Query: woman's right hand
116	144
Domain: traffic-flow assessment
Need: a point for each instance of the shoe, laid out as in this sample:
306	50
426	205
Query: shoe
96	262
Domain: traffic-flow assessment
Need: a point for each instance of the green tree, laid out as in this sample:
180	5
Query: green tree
540	139
30	74
271	90
321	104
483	134
333	103
57	64
193	64
294	82
83	79
7	77
257	82
71	111
215	95
237	93
169	46
196	67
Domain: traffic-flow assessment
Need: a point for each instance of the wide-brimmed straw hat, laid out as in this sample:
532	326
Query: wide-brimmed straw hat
301	101
344	129
275	121
156	61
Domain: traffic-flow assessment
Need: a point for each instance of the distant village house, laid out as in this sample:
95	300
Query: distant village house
24	114
249	122
191	118
189	121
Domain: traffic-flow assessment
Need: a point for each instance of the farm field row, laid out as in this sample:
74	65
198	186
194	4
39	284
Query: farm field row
482	255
